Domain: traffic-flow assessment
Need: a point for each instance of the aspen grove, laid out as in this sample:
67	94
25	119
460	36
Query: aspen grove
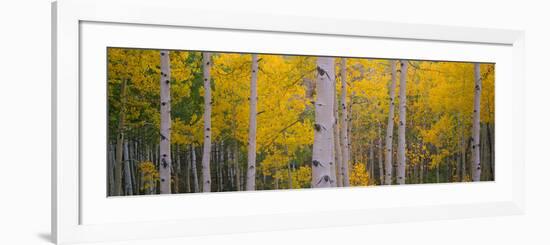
191	121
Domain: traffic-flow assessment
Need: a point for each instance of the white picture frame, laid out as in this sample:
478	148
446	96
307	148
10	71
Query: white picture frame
72	204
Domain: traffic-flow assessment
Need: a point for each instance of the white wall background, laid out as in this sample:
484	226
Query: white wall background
25	122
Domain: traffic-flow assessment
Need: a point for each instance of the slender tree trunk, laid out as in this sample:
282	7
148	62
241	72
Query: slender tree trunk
165	124
111	166
120	140
230	167
222	161
401	147
476	161
437	172
133	167
289	175
206	181
289	170
237	167
482	151
251	169
491	153
389	130
188	175
371	157
422	163
344	141
349	132
127	172
194	168
337	143
463	155
323	141
459	168
380	153
176	168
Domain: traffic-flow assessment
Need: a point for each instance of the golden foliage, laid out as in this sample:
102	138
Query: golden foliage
439	106
149	175
359	175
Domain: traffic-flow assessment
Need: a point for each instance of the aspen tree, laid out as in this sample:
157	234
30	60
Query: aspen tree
389	131
194	169
165	124
344	141
337	145
253	99
120	140
476	159
401	146
323	140
207	144
380	153
127	172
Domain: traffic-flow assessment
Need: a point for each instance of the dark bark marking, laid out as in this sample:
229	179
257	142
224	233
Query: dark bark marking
318	127
316	163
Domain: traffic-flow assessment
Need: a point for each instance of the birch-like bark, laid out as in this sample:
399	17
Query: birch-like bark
133	167
206	64
188	173
176	169
389	130
344	141
194	169
323	141
127	172
165	124
371	160
337	146
380	153
120	140
111	172
222	156
251	169
236	157
289	171
476	161
401	147
491	149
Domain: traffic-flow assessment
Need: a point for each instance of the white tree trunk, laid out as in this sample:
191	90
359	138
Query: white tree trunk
165	123
371	160
380	150
188	173
206	64
401	147
111	172
337	146
344	141
237	165
127	173
194	169
120	140
476	161
349	134
222	155
323	141
251	169
389	130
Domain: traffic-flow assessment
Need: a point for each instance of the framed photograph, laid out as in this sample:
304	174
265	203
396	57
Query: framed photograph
168	124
